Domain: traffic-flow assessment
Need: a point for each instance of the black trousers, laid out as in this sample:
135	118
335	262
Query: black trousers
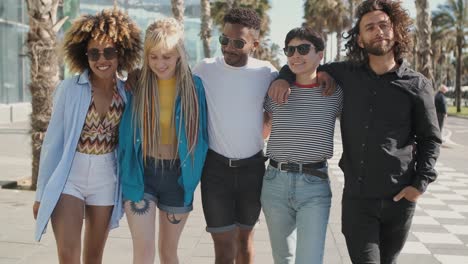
376	229
441	119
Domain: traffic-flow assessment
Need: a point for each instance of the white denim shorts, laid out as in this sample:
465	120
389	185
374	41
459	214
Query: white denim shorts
93	178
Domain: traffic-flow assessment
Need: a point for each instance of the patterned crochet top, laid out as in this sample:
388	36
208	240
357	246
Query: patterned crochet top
100	133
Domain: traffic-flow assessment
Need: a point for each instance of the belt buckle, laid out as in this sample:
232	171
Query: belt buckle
291	170
280	166
230	163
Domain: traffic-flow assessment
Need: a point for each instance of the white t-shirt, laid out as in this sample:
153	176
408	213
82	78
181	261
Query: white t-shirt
235	97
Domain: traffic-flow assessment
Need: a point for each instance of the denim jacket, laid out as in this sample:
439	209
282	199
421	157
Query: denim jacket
71	103
131	158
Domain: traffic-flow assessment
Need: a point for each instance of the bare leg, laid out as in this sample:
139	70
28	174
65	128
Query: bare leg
141	218
67	221
245	247
170	229
225	246
96	231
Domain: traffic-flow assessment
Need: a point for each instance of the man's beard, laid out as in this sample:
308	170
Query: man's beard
377	49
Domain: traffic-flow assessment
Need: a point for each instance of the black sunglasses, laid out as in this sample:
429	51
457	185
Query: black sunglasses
236	43
94	54
303	49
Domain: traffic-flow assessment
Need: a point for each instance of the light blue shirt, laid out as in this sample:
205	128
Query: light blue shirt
71	103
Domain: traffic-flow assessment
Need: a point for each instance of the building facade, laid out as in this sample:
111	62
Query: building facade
14	64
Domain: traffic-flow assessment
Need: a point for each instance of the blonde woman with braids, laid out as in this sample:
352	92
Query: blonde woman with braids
163	144
77	172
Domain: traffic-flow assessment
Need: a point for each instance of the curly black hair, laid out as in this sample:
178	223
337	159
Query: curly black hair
401	23
109	24
243	16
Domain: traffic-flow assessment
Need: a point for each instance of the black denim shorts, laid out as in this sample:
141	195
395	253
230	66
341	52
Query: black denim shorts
231	196
162	186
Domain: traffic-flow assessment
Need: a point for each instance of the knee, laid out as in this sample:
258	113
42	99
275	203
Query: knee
245	241
168	254
69	254
93	257
168	259
225	252
144	252
225	258
244	245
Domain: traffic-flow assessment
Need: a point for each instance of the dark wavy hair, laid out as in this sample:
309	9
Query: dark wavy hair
401	23
243	16
109	24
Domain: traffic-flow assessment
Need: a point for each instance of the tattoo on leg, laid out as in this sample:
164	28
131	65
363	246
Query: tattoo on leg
172	219
141	207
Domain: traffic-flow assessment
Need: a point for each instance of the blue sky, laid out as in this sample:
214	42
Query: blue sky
287	14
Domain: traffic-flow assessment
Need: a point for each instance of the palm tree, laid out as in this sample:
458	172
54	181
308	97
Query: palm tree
41	43
452	19
352	7
443	44
423	23
219	9
316	14
413	56
264	51
328	16
230	4
206	26
464	73
339	22
178	8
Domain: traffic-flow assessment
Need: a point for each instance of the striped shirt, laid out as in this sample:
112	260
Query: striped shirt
302	129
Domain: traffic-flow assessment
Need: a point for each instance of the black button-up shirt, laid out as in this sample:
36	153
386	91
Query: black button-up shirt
389	129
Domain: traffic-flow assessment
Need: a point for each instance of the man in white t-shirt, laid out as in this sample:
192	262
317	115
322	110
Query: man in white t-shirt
235	86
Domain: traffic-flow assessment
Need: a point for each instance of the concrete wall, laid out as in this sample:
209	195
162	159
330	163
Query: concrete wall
18	112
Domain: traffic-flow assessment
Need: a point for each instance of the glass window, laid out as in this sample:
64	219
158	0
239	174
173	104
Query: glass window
14	65
146	11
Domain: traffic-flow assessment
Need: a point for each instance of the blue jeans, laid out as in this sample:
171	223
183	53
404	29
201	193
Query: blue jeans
296	208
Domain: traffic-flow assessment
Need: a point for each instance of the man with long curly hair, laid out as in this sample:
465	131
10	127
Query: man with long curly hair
77	172
389	128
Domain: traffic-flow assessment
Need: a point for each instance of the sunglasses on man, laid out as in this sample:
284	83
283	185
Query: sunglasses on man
108	53
302	49
236	43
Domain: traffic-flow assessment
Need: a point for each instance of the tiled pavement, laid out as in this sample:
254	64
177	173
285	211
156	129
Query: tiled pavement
17	245
439	233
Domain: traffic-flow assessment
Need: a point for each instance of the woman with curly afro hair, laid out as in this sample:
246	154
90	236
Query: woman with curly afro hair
78	170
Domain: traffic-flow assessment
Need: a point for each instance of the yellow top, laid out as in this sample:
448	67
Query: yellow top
167	93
